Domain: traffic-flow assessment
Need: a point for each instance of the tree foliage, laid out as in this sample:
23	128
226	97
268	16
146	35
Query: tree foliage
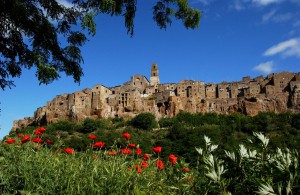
29	32
145	121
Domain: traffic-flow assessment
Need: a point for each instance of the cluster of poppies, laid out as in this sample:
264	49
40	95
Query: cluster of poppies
133	149
26	138
130	149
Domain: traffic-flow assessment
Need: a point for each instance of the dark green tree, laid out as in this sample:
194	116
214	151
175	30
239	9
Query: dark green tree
29	31
145	121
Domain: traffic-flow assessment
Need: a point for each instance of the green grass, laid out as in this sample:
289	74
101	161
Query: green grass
32	168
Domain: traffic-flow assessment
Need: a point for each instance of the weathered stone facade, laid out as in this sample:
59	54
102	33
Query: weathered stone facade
278	92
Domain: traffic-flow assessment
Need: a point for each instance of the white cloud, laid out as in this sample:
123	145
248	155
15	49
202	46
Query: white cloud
282	17
271	16
237	5
297	23
65	3
266	17
266	67
286	48
266	2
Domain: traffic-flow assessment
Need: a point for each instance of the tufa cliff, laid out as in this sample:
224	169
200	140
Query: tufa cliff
278	92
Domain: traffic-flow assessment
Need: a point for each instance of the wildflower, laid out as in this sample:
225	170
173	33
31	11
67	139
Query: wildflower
144	164
139	170
160	164
95	157
172	159
112	153
186	169
138	151
157	149
98	145
146	157
131	145
37	140
10	141
69	150
49	142
126	136
37	132
20	135
125	151
25	139
42	129
92	137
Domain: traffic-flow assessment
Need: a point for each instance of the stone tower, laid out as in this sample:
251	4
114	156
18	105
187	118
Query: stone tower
154	79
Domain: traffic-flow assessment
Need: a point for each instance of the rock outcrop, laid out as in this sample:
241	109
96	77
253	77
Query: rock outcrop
278	92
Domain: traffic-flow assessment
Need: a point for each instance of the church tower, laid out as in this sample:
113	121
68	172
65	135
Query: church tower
154	78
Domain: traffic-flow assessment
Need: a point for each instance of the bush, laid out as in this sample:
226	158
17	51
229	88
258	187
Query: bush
90	125
166	122
145	121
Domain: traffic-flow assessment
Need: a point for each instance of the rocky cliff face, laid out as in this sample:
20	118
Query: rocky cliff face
275	93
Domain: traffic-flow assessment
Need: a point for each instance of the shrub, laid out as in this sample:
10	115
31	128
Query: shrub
90	125
166	122
145	121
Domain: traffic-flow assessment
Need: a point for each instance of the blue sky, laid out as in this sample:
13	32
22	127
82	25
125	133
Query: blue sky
236	38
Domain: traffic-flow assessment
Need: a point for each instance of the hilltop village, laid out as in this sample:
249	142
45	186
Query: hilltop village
277	92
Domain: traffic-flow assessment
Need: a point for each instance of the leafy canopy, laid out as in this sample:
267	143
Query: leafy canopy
29	31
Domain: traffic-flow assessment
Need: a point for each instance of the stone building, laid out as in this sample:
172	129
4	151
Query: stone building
252	90
281	81
191	89
210	91
222	91
278	92
154	78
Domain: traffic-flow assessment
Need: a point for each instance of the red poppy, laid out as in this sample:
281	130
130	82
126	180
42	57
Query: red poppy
125	151
146	157
98	145
160	164
126	136
10	141
144	164
95	157
172	159
157	149
69	150
25	139
131	145
42	129
92	137
139	170
138	151
186	169
112	153
20	134
37	140
37	132
49	142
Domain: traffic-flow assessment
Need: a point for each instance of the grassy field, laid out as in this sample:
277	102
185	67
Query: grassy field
32	164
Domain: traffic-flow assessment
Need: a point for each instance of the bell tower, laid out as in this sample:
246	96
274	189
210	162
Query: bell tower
154	78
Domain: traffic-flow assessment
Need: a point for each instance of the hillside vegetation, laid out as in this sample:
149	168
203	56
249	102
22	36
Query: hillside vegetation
188	154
